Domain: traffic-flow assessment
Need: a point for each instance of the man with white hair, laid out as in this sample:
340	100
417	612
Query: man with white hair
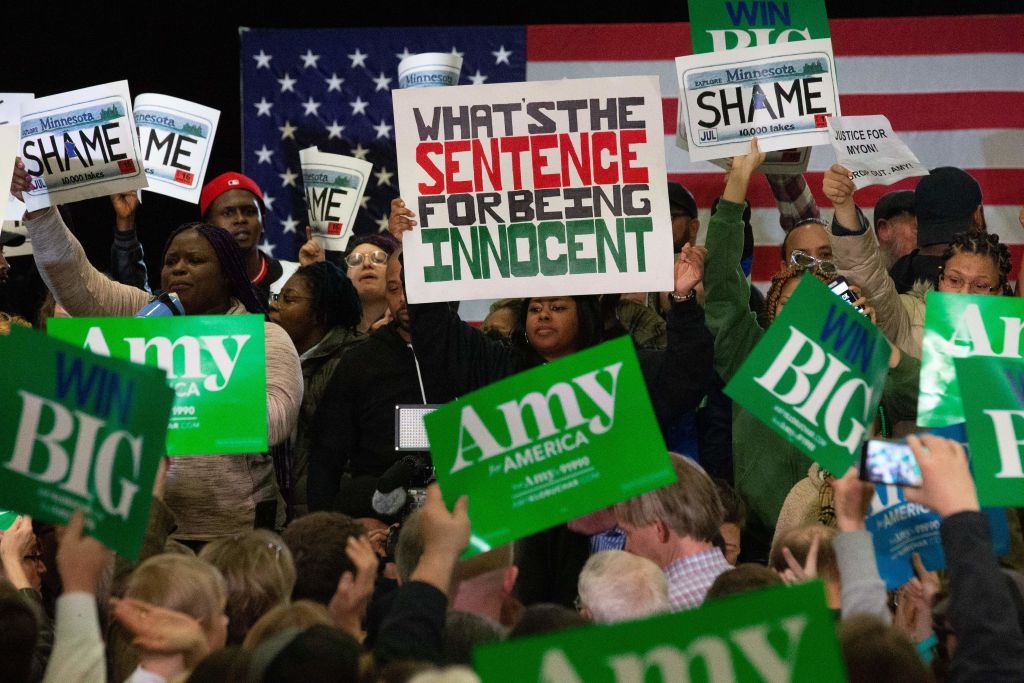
618	586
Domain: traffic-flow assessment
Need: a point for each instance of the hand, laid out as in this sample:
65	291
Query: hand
689	269
381	322
21	180
746	164
311	252
348	605
400	219
160	481
947	487
162	630
917	596
378	539
125	206
852	498
15	544
444	532
80	559
838	186
795	573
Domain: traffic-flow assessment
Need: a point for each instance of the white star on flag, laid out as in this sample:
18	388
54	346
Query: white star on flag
287	178
309	59
383	82
334	130
501	56
382	223
383	176
358	59
363	201
287	130
360	152
268	201
287	83
262	60
311	106
334	83
289	224
358	107
405	53
477	78
264	155
383	130
456	52
267	248
263	107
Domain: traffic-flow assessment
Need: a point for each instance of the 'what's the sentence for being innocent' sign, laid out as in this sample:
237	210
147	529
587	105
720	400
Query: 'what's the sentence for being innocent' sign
534	189
79	145
176	137
782	94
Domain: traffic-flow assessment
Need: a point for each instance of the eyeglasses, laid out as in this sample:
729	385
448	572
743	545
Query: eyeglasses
804	260
377	258
975	286
288	299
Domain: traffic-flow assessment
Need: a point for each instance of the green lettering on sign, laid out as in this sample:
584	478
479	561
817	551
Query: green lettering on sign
777	634
216	365
817	376
79	431
549	444
717	25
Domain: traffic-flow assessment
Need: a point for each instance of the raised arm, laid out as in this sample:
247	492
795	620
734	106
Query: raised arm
127	260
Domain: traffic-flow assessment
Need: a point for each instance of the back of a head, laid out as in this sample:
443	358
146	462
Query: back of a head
317	542
259	572
741	579
463	631
409	547
182	583
300	614
945	201
873	652
19	627
618	586
799	543
335	298
227	665
690	506
545	617
318	653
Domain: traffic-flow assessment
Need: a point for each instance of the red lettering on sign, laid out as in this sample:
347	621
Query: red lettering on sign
820	120
184	177
335	229
126	166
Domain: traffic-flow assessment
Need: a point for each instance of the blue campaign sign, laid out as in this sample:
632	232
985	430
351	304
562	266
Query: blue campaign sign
899	530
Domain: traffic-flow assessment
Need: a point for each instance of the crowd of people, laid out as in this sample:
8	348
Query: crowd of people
332	556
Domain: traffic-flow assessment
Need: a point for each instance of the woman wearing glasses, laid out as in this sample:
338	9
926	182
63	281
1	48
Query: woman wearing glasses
974	263
21	564
367	260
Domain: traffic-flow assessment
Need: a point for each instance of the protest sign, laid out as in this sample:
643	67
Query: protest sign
992	390
333	185
80	432
959	326
534	189
10	114
782	94
175	137
80	144
549	444
898	530
783	633
215	364
868	148
8	153
817	375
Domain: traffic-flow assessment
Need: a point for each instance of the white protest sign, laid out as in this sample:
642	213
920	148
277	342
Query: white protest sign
175	137
8	153
80	144
868	148
333	185
534	189
10	114
783	94
782	162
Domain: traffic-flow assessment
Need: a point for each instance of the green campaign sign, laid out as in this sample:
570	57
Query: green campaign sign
216	365
717	25
778	634
817	375
993	398
960	326
549	444
80	432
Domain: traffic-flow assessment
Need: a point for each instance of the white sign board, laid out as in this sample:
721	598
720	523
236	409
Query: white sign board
10	114
80	144
868	148
333	185
534	189
175	137
782	94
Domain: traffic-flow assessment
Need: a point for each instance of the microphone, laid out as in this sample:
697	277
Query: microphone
165	304
390	495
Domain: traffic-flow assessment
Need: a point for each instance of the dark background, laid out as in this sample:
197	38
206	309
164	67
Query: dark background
191	50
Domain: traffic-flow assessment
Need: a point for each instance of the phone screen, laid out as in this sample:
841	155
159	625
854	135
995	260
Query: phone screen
841	288
889	462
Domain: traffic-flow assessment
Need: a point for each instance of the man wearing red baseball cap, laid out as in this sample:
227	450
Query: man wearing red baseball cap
235	202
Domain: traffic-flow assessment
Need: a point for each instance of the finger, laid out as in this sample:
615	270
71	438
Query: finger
461	508
811	566
918	564
791	562
309	233
76	524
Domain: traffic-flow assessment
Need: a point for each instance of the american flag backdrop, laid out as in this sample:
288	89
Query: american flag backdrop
953	87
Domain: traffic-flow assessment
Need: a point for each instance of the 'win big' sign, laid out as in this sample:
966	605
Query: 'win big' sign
817	375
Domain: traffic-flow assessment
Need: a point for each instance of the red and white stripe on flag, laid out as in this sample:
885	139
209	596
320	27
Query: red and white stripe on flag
953	87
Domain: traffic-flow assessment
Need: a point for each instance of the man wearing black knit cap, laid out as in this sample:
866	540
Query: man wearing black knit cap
948	201
895	219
